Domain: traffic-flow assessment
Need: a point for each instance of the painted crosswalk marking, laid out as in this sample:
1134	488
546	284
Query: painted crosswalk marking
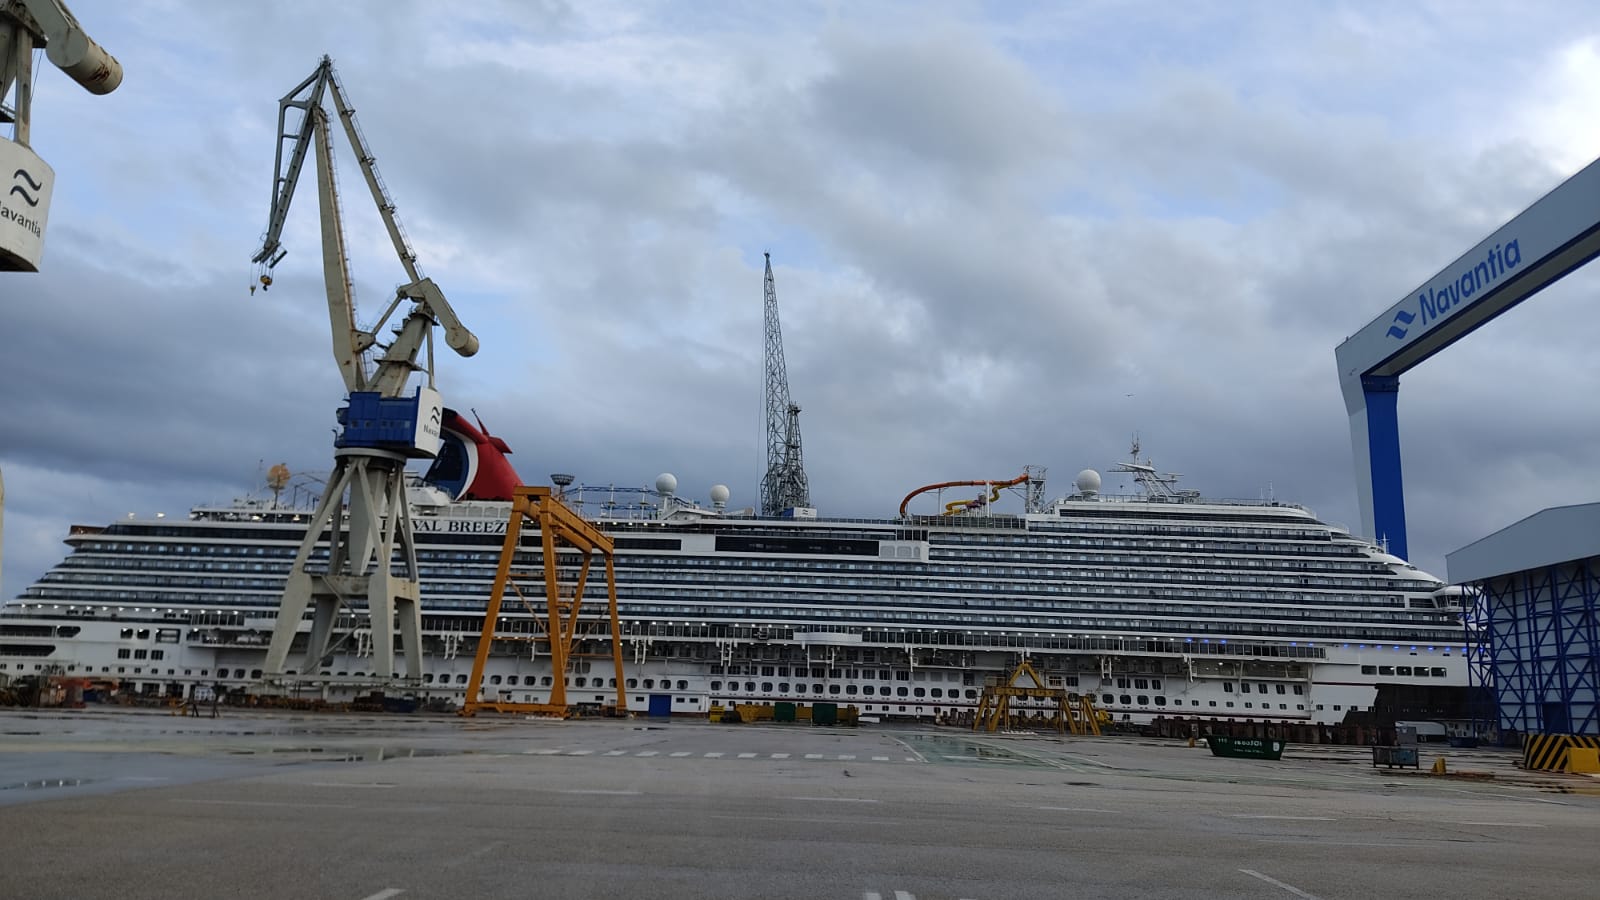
780	756
648	753
713	755
721	754
748	755
616	752
847	756
880	759
813	756
679	753
579	752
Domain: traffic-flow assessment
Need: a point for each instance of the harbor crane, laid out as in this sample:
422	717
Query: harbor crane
371	556
28	180
784	487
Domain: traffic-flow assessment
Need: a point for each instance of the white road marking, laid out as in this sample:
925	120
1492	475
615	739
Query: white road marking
847	756
1501	824
747	756
833	799
915	759
349	784
602	792
904	895
1114	812
871	895
880	759
544	752
713	755
780	756
680	753
616	752
385	894
1290	819
579	752
648	753
813	756
1273	881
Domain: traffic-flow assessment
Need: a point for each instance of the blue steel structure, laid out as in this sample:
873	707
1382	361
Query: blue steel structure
1557	234
1544	646
1535	630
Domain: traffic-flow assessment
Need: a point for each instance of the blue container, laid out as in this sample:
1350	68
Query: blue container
661	705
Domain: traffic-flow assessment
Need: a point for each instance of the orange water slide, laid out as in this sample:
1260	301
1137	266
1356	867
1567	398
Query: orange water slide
994	494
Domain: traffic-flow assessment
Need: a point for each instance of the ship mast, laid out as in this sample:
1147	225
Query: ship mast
784	486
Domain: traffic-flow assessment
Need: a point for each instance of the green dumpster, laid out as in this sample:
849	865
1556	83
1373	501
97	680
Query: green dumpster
783	711
1244	748
824	713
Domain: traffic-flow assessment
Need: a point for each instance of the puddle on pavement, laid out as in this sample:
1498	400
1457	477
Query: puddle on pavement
943	749
45	783
347	754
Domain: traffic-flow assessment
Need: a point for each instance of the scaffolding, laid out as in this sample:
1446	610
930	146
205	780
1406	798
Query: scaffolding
556	623
1065	712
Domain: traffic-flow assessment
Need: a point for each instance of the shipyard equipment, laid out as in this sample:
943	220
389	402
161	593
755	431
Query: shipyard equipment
1063	711
554	622
372	562
784	487
28	181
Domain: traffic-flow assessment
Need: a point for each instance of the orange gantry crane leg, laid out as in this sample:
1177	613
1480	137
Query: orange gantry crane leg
557	624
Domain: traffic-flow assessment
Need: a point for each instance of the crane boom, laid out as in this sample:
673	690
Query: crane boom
350	341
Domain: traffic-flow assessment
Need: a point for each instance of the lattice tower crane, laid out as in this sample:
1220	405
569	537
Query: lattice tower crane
784	486
373	559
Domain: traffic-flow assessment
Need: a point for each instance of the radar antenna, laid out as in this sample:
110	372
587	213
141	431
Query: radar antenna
784	486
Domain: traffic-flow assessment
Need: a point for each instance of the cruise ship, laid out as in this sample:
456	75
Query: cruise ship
1156	603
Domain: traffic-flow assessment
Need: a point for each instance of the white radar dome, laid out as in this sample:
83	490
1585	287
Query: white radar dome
666	483
720	493
1088	482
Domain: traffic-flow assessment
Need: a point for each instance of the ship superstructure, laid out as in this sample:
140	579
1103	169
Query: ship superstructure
1159	603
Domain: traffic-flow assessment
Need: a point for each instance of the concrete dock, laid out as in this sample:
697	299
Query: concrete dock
131	805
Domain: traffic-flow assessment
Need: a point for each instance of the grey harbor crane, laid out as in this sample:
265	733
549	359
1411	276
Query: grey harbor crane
784	487
371	561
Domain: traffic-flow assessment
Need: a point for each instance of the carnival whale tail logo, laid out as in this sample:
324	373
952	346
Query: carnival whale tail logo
1404	318
22	175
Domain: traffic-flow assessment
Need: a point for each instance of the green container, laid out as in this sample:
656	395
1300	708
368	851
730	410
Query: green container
783	711
824	713
1245	748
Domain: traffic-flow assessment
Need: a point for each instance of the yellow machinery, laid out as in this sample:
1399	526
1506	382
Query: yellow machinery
1064	714
557	624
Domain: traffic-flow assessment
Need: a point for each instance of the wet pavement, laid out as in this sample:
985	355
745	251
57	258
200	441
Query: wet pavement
118	804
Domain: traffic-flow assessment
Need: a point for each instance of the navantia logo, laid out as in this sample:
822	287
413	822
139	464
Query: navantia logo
23	177
1481	278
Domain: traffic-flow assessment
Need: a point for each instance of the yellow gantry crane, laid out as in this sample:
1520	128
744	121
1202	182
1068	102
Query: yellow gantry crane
1065	713
556	624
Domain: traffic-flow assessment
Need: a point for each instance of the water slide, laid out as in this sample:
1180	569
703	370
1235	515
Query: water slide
959	506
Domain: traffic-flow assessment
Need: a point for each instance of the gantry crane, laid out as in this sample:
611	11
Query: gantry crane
373	559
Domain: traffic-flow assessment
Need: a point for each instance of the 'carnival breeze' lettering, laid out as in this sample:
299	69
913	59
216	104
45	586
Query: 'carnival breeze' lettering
1434	304
459	526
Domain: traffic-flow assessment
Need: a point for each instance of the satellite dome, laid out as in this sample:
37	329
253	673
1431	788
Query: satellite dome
666	483
720	493
1088	482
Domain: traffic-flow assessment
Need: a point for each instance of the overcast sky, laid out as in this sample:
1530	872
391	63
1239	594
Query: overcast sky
1003	235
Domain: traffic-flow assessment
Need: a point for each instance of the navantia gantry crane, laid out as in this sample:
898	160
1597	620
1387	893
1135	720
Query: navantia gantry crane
374	558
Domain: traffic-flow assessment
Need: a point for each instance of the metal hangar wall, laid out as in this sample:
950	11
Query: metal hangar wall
1537	638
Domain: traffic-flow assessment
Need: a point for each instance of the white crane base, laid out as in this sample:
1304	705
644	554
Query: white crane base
362	565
